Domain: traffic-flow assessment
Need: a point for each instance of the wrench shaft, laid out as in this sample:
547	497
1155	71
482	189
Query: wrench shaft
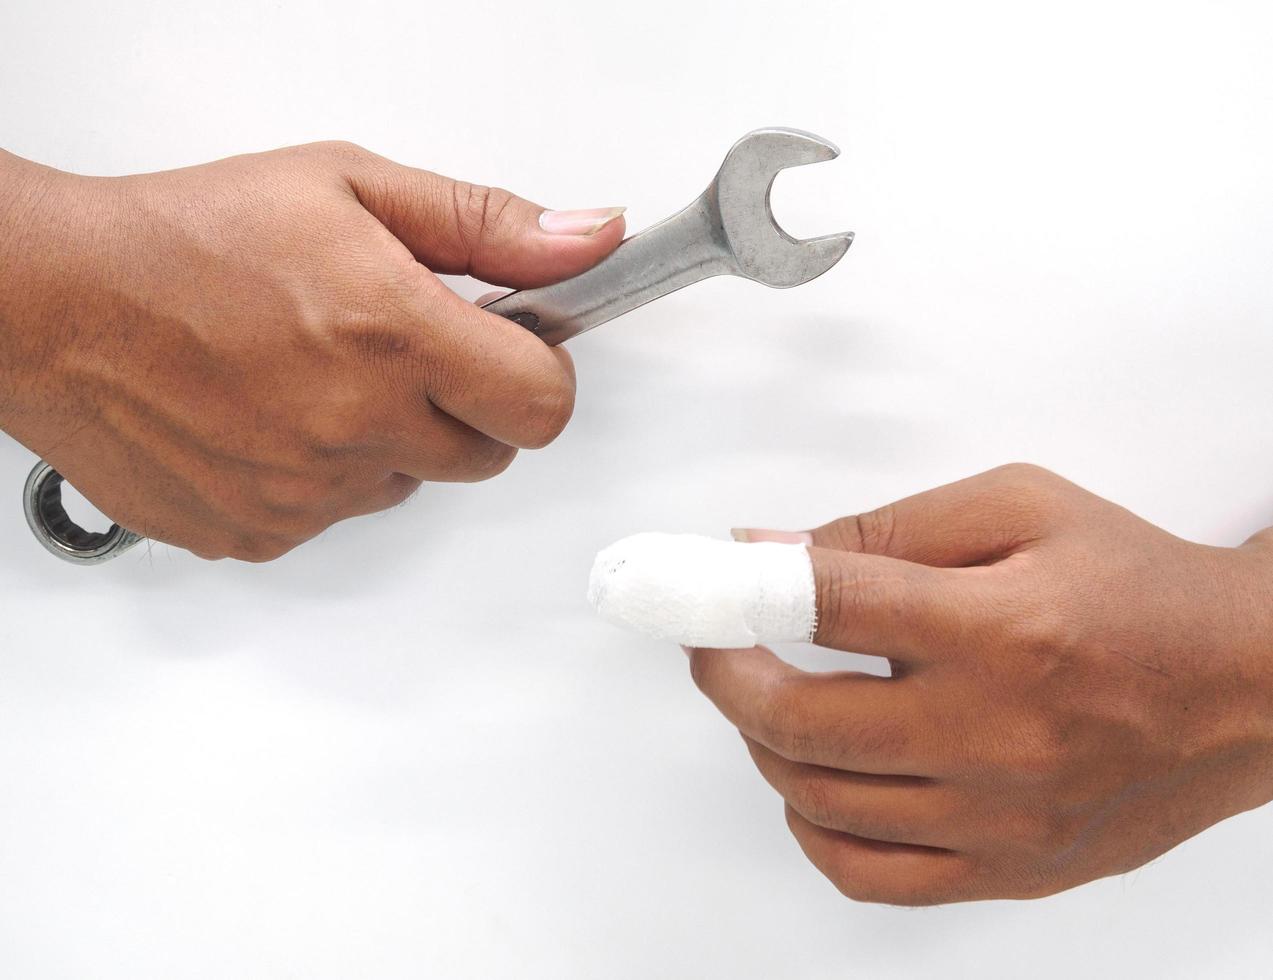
684	249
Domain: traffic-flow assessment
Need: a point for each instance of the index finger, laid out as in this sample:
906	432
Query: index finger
495	375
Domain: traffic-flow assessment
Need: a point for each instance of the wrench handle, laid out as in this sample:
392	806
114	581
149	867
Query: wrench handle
684	249
61	536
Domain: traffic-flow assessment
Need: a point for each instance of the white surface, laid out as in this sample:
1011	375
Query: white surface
705	592
361	760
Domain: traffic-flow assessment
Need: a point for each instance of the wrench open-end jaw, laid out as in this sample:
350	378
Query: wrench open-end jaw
760	248
728	231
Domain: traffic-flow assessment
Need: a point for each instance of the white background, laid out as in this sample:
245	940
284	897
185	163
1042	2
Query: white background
408	749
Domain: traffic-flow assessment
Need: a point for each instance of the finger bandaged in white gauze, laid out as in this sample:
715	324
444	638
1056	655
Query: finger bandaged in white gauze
704	592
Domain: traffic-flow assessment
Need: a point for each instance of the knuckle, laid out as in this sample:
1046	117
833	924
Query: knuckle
701	661
261	548
377	325
483	459
1057	830
1028	474
343	151
497	458
1041	632
875	530
478	210
1050	633
1015	883
830	600
1035	755
336	434
782	723
1032	489
402	489
816	798
875	887
698	670
923	894
551	408
856	886
848	594
1041	834
868	532
203	545
287	495
1019	830
843	534
856	738
266	517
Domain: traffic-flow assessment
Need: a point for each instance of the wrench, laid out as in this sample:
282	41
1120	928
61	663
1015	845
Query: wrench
729	230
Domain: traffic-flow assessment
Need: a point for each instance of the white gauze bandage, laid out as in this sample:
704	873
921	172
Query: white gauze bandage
704	592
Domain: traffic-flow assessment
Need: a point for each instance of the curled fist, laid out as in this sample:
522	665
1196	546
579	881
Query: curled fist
232	357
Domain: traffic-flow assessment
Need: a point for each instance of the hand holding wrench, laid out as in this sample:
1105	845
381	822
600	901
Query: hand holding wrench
728	230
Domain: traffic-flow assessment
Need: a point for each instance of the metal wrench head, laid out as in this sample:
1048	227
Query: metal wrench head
760	248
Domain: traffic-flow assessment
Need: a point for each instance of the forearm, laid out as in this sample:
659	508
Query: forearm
22	185
41	265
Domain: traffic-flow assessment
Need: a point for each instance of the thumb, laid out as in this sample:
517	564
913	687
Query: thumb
458	228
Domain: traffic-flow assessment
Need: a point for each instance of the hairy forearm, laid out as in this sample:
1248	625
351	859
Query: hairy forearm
24	189
16	179
45	259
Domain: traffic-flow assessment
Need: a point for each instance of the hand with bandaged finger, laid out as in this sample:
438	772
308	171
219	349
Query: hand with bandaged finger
1073	691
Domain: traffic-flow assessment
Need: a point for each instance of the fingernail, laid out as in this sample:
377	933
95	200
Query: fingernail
752	535
578	222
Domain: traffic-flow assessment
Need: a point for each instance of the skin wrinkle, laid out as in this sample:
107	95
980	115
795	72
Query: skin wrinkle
1142	664
875	531
462	219
503	199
